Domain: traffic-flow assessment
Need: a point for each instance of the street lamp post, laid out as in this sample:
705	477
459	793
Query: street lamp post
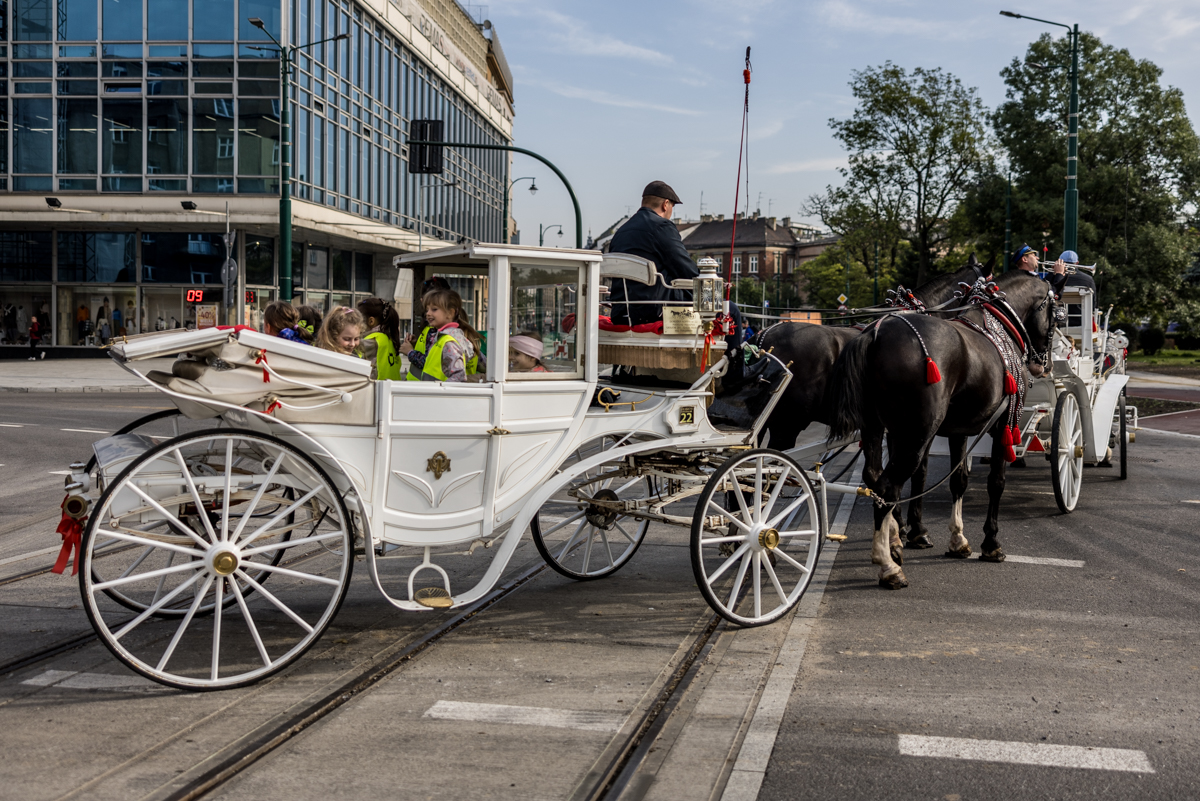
286	54
1071	200
511	184
543	231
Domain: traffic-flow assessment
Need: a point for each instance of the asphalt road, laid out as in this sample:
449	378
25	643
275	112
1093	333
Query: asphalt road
1105	655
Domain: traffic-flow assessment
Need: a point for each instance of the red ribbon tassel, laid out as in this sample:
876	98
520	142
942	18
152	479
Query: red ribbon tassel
262	359
1010	384
1009	454
72	535
274	405
932	374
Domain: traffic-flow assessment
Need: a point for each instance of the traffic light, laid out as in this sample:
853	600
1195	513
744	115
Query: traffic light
425	159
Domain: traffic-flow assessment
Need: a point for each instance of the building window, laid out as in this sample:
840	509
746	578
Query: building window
122	147
100	257
737	265
77	126
754	265
258	137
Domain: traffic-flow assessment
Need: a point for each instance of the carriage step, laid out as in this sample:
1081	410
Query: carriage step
433	597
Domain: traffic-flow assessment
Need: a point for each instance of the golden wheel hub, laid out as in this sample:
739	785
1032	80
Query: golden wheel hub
225	563
769	539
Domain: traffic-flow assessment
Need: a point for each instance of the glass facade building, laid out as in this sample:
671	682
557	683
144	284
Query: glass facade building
169	100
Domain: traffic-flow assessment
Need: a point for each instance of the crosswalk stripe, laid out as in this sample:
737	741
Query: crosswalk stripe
1044	754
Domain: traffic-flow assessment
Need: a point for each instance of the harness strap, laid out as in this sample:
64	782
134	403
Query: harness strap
1016	335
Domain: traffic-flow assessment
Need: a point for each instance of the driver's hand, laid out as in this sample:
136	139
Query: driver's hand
1060	266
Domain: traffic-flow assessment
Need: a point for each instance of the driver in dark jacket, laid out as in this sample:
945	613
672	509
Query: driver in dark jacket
651	235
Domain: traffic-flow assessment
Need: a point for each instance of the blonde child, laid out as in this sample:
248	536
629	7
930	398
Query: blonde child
447	349
525	353
281	319
341	332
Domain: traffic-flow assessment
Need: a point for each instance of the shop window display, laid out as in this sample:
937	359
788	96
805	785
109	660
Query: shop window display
18	306
92	316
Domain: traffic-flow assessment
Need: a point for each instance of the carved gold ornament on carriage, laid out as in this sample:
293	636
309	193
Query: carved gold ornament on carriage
438	463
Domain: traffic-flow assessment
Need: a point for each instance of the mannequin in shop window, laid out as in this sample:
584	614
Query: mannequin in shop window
10	323
81	319
160	324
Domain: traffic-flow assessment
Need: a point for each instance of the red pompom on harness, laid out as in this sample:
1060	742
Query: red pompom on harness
71	530
1010	384
932	373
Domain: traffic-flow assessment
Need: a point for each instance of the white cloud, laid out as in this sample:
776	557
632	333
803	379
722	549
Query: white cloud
607	98
846	16
572	36
810	165
760	132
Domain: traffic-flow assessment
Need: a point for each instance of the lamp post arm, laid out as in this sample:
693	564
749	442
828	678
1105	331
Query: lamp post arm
523	151
1048	22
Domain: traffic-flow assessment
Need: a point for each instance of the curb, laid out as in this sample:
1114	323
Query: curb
50	390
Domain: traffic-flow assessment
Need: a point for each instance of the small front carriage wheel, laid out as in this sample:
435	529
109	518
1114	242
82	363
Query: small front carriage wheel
761	504
209	516
1066	452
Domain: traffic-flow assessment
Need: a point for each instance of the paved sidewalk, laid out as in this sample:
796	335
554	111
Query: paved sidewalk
75	375
1139	380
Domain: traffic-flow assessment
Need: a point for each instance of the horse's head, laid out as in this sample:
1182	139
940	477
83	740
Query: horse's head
1033	301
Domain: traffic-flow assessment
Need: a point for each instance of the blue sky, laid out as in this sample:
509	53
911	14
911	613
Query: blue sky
619	93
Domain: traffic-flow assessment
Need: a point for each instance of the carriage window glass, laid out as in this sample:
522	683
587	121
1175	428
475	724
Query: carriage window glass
543	314
1074	315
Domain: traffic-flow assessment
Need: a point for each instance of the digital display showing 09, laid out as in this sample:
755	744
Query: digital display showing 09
205	295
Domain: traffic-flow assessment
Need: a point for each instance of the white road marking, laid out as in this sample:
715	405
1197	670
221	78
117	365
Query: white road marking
72	680
526	716
21	557
1040	560
84	430
1054	756
12	425
1180	501
59	473
754	756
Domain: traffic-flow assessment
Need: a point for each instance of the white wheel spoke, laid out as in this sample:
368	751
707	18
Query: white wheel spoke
758	478
278	603
791	561
741	500
713	505
149	543
284	571
624	533
793	506
258	532
191	485
757	584
220	601
722	540
743	565
225	515
787	468
158	507
608	548
162	579
587	548
241	600
237	532
145	552
187	621
163	571
561	523
571	541
716	574
766	563
279	546
150	610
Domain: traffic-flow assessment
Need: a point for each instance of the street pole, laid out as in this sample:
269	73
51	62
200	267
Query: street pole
1071	198
508	189
1007	224
543	231
543	159
875	297
286	54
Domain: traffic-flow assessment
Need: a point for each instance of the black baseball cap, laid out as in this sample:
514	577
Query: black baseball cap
660	189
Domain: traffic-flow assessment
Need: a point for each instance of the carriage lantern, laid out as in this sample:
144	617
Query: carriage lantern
706	290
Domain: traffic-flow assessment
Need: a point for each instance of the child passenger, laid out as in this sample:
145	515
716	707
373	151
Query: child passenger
525	353
382	340
341	332
447	349
280	319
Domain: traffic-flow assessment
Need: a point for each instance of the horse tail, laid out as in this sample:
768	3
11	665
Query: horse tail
846	395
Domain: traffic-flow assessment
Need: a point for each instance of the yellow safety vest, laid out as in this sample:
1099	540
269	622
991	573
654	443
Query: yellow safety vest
434	355
387	361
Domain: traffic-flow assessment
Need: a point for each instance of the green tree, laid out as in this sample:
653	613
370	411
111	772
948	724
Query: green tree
919	137
1139	173
824	278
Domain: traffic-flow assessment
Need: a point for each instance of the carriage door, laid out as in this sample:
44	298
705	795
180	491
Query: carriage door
544	380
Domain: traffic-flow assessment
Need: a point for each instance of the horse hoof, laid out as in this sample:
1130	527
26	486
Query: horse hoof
896	581
898	554
962	553
919	542
992	556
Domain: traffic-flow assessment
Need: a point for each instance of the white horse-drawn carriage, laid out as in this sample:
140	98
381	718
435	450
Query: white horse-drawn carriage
216	557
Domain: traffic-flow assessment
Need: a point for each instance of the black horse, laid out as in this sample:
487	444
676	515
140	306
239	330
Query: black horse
884	382
813	349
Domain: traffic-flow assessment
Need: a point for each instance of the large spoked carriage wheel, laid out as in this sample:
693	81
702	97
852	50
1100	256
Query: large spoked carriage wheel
1066	452
756	528
210	517
586	541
